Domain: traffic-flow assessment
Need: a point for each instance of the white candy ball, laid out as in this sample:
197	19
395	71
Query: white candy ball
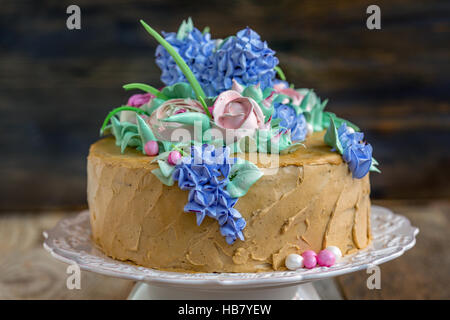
350	130
309	129
294	261
336	251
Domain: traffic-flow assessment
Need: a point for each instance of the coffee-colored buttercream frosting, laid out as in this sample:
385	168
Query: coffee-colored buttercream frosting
305	200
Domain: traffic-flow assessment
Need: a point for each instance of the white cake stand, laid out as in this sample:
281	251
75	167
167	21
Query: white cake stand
70	241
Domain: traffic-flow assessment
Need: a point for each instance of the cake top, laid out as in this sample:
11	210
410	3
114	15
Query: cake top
224	98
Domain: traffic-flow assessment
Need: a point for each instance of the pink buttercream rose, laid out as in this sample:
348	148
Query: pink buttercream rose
238	114
164	130
291	93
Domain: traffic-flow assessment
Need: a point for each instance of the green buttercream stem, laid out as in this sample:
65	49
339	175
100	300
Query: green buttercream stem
174	147
280	73
116	110
146	88
179	61
202	101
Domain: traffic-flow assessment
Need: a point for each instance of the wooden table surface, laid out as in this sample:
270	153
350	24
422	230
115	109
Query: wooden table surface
27	271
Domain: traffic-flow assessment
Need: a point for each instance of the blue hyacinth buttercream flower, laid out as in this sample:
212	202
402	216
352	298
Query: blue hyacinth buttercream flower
205	174
243	57
194	47
356	153
290	120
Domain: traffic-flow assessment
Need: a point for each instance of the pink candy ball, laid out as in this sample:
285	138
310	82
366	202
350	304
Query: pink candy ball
174	157
151	148
309	261
308	253
326	258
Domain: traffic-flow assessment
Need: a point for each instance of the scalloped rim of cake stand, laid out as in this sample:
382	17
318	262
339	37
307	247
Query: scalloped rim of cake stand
70	242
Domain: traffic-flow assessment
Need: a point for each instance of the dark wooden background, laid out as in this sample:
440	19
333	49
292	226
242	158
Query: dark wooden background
57	85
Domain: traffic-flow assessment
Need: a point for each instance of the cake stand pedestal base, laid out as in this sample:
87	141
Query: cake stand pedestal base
144	291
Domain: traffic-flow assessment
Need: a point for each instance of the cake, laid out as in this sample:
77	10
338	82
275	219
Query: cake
227	168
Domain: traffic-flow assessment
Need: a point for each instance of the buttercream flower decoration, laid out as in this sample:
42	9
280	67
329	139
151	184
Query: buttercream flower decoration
194	47
239	115
137	101
176	114
244	57
354	150
290	120
295	96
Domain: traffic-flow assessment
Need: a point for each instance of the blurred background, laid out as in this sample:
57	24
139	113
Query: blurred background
57	85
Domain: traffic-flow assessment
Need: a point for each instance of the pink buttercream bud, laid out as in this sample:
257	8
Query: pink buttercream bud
138	100
280	86
291	93
267	102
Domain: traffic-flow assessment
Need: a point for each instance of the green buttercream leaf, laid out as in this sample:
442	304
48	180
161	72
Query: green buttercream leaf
116	130
165	145
210	100
338	121
161	156
267	111
292	148
166	168
185	28
180	90
317	115
275	122
306	100
127	127
127	140
190	118
117	110
155	104
168	181
243	175
267	92
253	92
145	132
331	137
126	134
374	165
108	129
